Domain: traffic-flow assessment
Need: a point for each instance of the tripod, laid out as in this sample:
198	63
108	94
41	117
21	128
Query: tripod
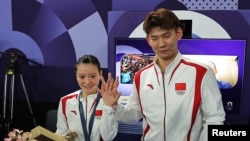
10	75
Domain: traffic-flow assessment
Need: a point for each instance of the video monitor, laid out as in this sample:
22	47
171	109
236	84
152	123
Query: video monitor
224	56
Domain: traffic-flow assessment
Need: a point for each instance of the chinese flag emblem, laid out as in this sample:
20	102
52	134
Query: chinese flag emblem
98	113
180	88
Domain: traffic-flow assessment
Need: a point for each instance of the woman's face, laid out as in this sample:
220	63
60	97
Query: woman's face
88	76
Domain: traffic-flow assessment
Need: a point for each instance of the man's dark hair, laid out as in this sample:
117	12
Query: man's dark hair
163	18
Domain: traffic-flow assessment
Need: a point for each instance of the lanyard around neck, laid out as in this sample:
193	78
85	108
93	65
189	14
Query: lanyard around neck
91	121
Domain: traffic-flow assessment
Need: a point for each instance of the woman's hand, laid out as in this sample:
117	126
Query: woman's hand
71	136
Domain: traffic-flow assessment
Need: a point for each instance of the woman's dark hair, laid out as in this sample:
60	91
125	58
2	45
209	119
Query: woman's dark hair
163	18
88	59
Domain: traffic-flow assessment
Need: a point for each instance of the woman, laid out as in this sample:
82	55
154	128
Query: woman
80	113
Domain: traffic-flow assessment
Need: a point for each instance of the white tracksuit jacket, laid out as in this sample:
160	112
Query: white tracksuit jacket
175	106
68	119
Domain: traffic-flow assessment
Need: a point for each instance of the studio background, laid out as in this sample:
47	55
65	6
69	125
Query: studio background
49	36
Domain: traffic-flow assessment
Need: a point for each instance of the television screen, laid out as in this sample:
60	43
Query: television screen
224	56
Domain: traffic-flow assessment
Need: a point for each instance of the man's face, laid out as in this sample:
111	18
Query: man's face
164	42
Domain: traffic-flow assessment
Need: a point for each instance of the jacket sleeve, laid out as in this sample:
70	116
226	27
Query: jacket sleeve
61	125
109	125
131	112
211	104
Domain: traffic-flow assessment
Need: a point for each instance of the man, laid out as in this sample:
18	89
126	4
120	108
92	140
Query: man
176	97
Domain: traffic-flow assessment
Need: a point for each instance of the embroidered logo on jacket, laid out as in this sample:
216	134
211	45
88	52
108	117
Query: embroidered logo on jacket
74	112
151	86
180	88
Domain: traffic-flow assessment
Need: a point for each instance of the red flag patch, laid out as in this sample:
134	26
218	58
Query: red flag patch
98	113
180	86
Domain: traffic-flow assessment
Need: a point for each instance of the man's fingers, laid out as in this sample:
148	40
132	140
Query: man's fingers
103	81
103	85
116	82
110	81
